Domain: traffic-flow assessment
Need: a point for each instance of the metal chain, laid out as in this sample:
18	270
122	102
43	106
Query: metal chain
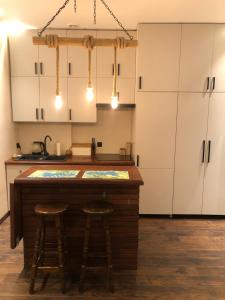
116	19
53	18
94	11
75	6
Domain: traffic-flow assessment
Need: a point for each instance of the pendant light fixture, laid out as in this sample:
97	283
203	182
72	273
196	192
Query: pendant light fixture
58	99
89	92
114	98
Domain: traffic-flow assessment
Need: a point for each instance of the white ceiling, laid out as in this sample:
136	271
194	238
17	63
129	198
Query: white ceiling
37	12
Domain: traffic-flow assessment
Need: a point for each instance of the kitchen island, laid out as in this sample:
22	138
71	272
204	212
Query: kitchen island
28	191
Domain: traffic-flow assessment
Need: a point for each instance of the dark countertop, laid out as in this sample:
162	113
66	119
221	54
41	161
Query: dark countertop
99	159
135	178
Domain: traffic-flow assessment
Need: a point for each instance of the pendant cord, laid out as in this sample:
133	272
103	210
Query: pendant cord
115	72
89	67
57	70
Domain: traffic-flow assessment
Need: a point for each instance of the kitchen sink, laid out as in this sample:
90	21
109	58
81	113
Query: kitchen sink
41	157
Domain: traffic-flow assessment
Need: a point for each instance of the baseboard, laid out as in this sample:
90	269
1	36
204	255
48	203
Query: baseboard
4	217
152	216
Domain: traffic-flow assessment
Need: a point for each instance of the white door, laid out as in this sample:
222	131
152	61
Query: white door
49	112
158	55
105	55
125	88
189	165
156	129
214	187
218	65
78	56
80	109
47	57
196	57
23	54
157	192
25	99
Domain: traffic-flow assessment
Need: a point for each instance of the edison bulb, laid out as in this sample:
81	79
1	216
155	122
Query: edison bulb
58	102
89	94
114	102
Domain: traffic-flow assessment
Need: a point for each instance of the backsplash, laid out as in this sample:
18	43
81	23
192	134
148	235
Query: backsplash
113	129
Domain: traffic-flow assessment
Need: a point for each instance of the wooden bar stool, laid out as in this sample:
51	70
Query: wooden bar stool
101	209
49	213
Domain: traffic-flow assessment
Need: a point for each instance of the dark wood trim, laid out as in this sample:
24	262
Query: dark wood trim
159	216
4	217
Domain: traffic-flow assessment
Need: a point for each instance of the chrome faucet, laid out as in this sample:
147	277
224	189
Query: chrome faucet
45	144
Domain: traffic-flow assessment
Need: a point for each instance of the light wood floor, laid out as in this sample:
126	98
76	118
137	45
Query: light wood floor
178	259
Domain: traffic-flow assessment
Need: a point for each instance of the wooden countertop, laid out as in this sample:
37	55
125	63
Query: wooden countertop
135	177
104	159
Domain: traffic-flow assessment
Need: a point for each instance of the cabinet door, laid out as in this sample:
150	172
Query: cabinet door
126	58
218	65
196	57
157	192
214	187
189	168
125	88
23	54
105	55
158	56
47	57
47	100
25	99
156	129
78	56
81	109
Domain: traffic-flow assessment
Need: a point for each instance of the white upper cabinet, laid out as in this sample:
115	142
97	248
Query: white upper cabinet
156	129
80	110
196	57
78	56
158	55
214	187
24	55
48	111
189	165
218	66
47	57
25	99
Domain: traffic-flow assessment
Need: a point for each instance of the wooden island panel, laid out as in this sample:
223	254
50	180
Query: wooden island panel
124	194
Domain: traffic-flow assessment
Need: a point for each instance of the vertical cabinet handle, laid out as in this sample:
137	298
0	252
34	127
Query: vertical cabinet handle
37	114
42	113
70	114
213	83
41	68
35	68
69	68
138	160
209	150
207	86
118	70
113	69
140	83
203	151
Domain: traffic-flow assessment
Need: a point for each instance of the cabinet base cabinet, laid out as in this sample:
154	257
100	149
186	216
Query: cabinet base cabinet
157	193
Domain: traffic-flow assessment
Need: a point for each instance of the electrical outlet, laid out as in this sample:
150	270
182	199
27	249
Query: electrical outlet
99	144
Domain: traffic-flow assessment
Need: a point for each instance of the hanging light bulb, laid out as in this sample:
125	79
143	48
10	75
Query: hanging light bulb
58	98
89	91
114	98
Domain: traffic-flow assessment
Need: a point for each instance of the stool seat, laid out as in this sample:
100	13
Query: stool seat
98	208
48	209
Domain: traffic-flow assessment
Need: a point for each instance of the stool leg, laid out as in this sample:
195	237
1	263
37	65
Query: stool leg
36	257
85	254
109	254
60	251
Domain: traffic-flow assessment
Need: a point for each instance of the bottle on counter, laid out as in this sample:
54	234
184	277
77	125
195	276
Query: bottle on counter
93	147
18	149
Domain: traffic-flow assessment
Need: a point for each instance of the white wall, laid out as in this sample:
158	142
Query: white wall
113	129
7	127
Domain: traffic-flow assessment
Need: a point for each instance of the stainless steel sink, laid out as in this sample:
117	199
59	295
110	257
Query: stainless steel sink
41	157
